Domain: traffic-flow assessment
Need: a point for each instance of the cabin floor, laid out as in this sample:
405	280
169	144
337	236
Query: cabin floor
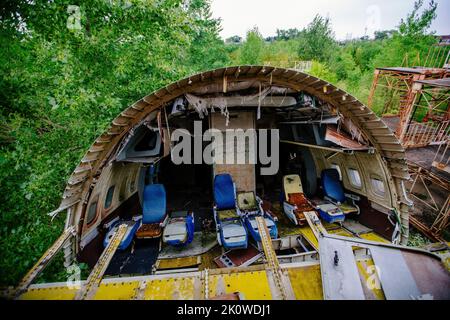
189	188
145	257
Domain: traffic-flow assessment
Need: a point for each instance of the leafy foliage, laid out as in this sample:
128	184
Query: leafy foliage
415	24
60	87
317	41
417	240
251	50
68	67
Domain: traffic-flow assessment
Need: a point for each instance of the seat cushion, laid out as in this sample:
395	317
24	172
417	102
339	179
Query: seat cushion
154	203
332	186
227	214
233	229
149	231
224	192
330	209
176	230
299	200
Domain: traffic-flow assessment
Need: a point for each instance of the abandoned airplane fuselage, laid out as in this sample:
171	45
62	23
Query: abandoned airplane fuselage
237	171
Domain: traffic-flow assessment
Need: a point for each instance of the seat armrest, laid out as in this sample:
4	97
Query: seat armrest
352	196
109	224
259	200
274	217
165	221
331	200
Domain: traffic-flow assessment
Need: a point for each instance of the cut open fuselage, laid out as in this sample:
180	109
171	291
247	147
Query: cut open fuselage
306	137
349	168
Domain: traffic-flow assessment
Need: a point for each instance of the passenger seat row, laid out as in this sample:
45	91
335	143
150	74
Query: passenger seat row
333	208
235	214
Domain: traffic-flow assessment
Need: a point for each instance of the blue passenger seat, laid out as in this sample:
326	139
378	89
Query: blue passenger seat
154	203
224	194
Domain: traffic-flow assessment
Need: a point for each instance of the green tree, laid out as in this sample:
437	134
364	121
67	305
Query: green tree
317	40
384	34
321	71
288	34
412	40
416	25
252	49
207	50
66	72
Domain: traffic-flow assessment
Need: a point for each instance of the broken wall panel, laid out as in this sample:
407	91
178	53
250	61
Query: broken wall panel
243	174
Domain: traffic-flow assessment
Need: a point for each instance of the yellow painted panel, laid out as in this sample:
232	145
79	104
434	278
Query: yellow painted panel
306	282
366	270
117	291
207	259
171	289
341	232
447	263
373	237
329	226
309	234
179	262
252	285
55	293
285	229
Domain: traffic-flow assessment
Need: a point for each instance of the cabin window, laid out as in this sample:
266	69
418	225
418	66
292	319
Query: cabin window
354	177
147	142
378	186
109	197
123	190
92	212
335	166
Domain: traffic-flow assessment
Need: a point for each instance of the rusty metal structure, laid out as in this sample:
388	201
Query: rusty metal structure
429	116
414	101
423	178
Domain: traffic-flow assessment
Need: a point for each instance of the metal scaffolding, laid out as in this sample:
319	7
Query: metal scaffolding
423	178
429	120
414	101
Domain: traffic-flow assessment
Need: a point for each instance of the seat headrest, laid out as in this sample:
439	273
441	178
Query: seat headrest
154	203
224	191
247	200
332	187
292	184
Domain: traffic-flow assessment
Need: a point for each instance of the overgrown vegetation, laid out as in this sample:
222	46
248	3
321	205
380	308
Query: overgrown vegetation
349	64
417	240
69	67
60	87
